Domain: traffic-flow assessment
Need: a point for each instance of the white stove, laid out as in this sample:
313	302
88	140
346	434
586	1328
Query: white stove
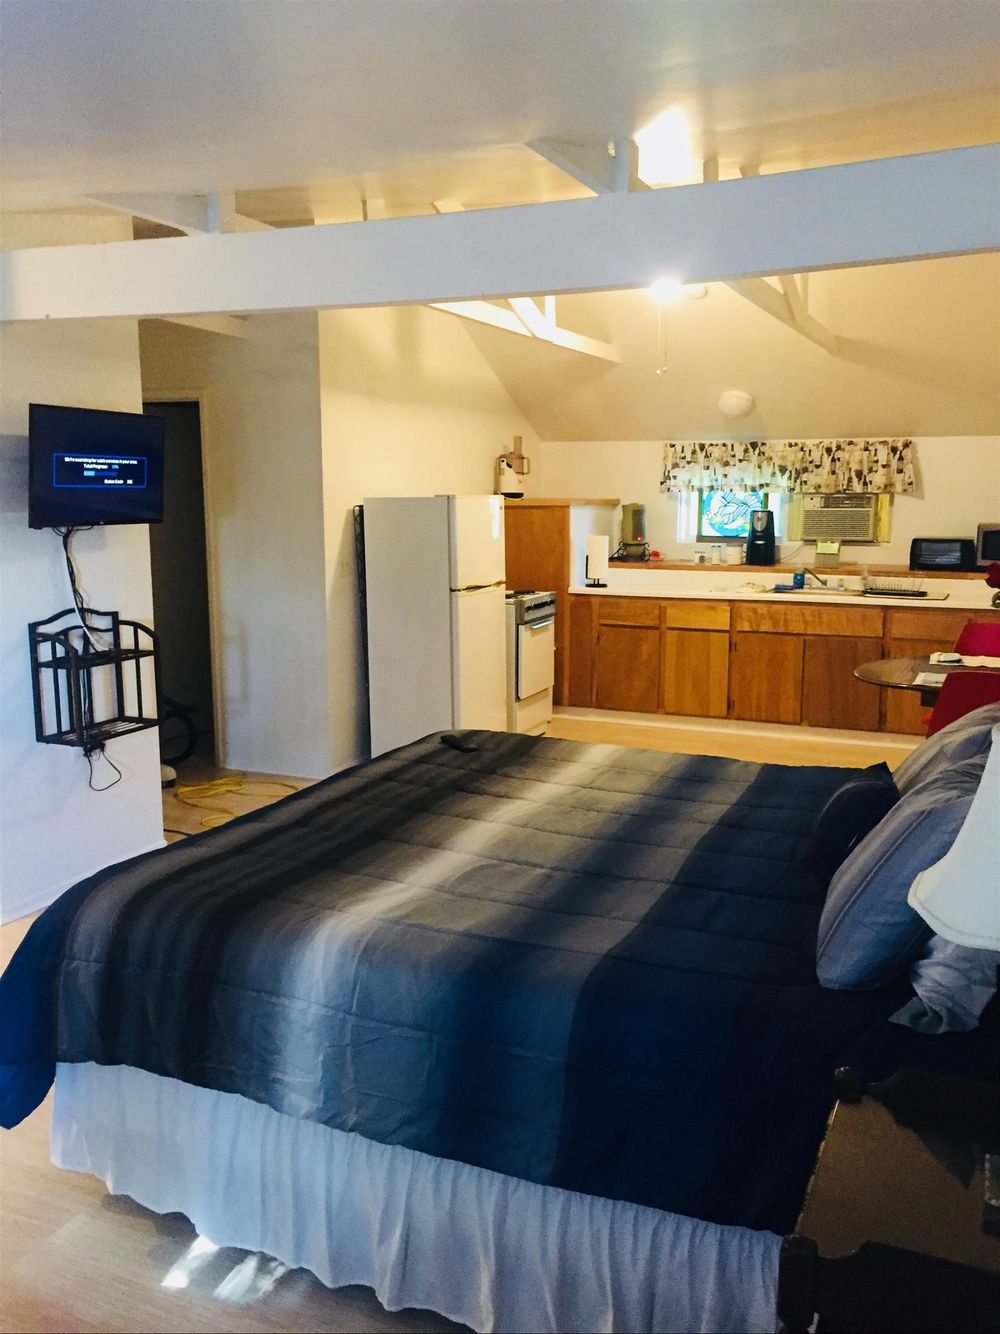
531	643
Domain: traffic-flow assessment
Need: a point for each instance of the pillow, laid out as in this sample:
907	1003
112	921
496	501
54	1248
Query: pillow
868	932
954	984
963	739
853	811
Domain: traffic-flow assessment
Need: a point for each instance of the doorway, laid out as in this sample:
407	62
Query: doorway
178	557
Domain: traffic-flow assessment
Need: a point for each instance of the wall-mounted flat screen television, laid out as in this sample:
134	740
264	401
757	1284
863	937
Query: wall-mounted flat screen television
87	466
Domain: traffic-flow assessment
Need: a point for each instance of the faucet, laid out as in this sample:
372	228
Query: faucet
815	576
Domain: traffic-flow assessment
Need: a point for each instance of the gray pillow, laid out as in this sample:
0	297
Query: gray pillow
963	739
954	984
868	933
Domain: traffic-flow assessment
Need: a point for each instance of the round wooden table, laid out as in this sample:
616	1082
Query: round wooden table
899	674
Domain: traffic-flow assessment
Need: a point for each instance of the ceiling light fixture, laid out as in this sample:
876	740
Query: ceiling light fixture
668	291
666	156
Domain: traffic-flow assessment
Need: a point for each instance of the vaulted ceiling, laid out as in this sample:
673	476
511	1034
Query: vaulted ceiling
303	107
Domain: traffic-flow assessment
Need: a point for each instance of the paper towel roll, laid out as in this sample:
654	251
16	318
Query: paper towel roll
597	557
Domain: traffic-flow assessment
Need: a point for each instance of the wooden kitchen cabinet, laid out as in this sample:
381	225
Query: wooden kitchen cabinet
757	661
832	696
766	674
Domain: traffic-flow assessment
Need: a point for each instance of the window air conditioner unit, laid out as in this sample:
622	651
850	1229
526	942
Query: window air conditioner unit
839	518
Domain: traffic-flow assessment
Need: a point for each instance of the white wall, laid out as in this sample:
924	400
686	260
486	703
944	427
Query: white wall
958	488
410	407
264	505
300	424
53	829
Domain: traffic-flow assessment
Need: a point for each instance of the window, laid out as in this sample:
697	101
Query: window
714	516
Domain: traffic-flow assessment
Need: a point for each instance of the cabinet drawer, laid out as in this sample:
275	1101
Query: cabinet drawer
628	611
695	615
809	620
940	626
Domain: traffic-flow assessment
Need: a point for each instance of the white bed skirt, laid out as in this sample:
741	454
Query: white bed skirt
486	1250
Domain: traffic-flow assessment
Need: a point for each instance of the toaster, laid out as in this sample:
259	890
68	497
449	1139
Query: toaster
942	553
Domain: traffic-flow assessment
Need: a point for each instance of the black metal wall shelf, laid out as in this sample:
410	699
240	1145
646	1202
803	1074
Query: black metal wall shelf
85	695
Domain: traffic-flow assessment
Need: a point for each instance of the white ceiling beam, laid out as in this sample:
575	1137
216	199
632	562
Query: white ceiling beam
540	323
549	332
195	215
220	210
767	298
185	213
794	299
484	312
232	326
607	168
873	212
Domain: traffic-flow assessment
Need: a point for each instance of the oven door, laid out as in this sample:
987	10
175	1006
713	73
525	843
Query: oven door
536	646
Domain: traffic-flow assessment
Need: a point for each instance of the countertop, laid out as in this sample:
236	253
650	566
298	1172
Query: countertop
731	585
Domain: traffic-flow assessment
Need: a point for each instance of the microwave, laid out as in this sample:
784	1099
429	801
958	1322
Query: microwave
942	553
987	544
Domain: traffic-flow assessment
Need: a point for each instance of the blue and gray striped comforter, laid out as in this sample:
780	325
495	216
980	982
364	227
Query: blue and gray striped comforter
586	966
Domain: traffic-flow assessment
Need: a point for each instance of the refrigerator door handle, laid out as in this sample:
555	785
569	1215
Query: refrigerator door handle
478	588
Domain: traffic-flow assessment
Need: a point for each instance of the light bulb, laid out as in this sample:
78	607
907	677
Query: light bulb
666	291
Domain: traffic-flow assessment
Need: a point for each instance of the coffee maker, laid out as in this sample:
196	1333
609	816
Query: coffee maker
760	538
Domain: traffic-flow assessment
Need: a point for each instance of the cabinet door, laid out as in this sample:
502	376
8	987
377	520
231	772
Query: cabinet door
627	668
696	672
582	637
766	677
832	696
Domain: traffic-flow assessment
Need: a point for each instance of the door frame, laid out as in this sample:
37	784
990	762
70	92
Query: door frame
202	397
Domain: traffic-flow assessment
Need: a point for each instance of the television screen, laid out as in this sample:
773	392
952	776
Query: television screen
87	467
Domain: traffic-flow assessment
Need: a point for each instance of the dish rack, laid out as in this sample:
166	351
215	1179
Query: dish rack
883	587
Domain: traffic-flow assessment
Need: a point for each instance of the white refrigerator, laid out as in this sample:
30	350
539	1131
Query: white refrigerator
435	587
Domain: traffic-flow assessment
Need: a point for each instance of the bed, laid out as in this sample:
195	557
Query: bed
527	1033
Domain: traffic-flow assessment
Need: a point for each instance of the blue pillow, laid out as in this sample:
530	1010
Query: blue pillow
853	811
868	933
964	739
954	984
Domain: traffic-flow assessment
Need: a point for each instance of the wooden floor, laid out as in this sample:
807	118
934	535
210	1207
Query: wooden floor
73	1257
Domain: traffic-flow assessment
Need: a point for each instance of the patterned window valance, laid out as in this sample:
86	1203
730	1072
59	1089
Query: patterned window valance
789	465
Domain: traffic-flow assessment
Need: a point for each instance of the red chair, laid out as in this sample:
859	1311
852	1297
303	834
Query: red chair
981	639
960	694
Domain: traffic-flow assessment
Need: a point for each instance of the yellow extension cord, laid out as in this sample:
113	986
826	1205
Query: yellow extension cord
190	794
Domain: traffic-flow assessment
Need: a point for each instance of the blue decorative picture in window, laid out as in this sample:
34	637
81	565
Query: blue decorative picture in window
727	513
